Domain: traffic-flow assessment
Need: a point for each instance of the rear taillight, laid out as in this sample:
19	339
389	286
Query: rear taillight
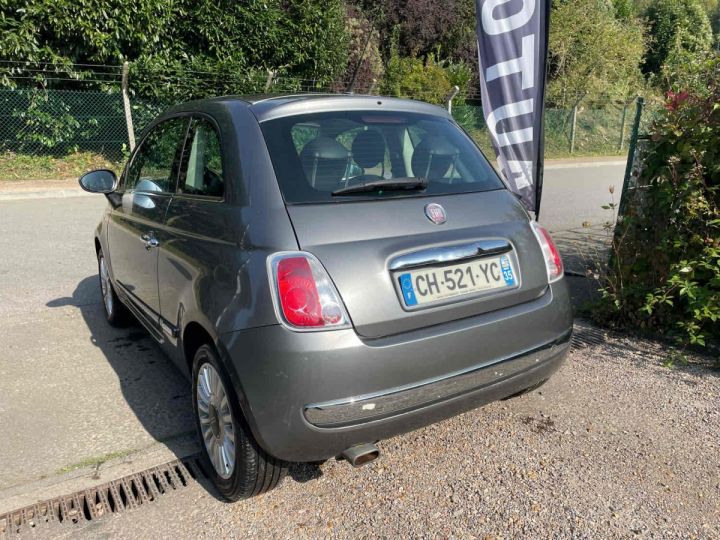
553	262
304	296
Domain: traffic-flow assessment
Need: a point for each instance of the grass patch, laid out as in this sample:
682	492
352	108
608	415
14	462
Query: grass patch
94	461
597	131
556	147
20	167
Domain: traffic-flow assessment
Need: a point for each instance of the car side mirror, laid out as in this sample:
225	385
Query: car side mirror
99	181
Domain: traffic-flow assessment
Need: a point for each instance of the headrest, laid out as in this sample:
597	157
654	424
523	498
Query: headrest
432	157
324	161
368	149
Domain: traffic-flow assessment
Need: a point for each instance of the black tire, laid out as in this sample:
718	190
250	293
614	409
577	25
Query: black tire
254	472
115	311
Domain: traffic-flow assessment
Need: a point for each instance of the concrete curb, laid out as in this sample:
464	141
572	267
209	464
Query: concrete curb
22	495
46	194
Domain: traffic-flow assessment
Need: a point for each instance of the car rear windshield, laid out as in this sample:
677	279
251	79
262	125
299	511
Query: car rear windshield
316	157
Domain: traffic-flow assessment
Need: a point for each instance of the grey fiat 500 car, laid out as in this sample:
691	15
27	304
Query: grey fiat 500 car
329	271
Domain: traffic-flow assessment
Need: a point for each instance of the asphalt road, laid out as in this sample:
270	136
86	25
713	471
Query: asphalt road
75	392
72	389
574	193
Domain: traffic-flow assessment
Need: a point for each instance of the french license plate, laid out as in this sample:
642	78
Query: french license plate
427	285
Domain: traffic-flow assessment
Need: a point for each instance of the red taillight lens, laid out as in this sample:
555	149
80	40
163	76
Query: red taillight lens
553	262
305	296
298	294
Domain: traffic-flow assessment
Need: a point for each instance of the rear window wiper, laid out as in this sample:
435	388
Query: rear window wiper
385	184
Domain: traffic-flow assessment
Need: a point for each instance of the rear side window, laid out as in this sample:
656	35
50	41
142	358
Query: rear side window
316	154
202	171
155	165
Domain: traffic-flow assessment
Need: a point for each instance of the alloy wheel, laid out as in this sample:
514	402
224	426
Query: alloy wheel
216	421
106	287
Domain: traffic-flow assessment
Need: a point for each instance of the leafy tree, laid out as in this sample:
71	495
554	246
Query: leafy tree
445	28
624	9
710	6
84	30
427	80
675	27
413	78
364	51
593	54
169	39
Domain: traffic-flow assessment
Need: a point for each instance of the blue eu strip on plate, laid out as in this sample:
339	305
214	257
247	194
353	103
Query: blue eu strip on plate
408	291
506	271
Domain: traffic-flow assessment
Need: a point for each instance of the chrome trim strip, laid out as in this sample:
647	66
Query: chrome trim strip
441	255
377	405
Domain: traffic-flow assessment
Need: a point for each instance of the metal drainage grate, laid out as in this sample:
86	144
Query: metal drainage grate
113	497
587	335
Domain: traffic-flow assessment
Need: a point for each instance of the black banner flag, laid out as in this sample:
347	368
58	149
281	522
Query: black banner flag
512	50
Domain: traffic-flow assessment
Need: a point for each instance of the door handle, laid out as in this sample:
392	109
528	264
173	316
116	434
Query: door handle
150	241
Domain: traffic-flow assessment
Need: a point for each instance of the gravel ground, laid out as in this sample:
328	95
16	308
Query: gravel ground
616	445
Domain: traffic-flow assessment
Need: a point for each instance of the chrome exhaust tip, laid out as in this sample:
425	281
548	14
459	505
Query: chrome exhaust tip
360	455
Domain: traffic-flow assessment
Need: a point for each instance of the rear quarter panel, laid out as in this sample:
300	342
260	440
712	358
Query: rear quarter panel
211	268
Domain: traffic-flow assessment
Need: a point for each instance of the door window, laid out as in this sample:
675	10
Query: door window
155	165
202	171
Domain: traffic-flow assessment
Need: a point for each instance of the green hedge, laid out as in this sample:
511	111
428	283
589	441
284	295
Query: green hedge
665	272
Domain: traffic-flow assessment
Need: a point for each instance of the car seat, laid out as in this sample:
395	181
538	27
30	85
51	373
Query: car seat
368	151
324	161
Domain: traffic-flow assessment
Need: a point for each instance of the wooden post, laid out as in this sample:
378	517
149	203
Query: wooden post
572	128
269	80
126	105
371	91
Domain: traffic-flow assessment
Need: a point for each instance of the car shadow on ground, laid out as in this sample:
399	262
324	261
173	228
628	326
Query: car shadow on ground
156	391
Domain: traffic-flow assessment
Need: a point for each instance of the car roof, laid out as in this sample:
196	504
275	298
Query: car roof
269	106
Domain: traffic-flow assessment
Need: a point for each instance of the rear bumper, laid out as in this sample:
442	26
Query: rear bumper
358	409
309	396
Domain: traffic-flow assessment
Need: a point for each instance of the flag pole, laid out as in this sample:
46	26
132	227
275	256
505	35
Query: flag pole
539	174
